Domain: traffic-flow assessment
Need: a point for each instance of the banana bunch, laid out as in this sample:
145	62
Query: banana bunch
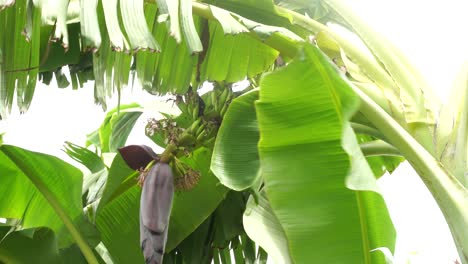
195	105
188	137
221	97
200	133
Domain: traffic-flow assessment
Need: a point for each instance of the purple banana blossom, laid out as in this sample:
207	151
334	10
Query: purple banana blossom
155	202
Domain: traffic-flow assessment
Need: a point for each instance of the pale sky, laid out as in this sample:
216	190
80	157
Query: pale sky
432	33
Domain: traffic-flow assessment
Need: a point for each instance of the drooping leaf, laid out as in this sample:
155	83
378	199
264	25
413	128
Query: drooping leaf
188	27
33	35
117	38
135	25
231	58
175	66
102	70
142	56
235	156
302	114
171	70
19	55
169	12
90	31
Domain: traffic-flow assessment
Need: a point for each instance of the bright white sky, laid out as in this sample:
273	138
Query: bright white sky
432	33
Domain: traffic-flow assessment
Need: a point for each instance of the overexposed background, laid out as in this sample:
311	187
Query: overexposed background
434	36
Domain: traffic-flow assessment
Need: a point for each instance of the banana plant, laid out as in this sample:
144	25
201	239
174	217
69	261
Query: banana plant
327	111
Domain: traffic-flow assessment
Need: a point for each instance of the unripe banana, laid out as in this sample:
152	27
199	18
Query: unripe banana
209	142
186	139
224	96
189	111
224	109
200	137
195	112
230	97
200	129
214	100
194	127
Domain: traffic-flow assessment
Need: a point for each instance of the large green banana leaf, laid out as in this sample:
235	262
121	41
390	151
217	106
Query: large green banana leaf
44	191
316	179
310	153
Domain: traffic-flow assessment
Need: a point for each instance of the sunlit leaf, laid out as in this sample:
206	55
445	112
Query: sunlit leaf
302	115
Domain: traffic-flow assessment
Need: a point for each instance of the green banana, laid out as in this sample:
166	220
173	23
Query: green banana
224	96
200	137
194	127
224	109
195	112
209	142
214	99
200	129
